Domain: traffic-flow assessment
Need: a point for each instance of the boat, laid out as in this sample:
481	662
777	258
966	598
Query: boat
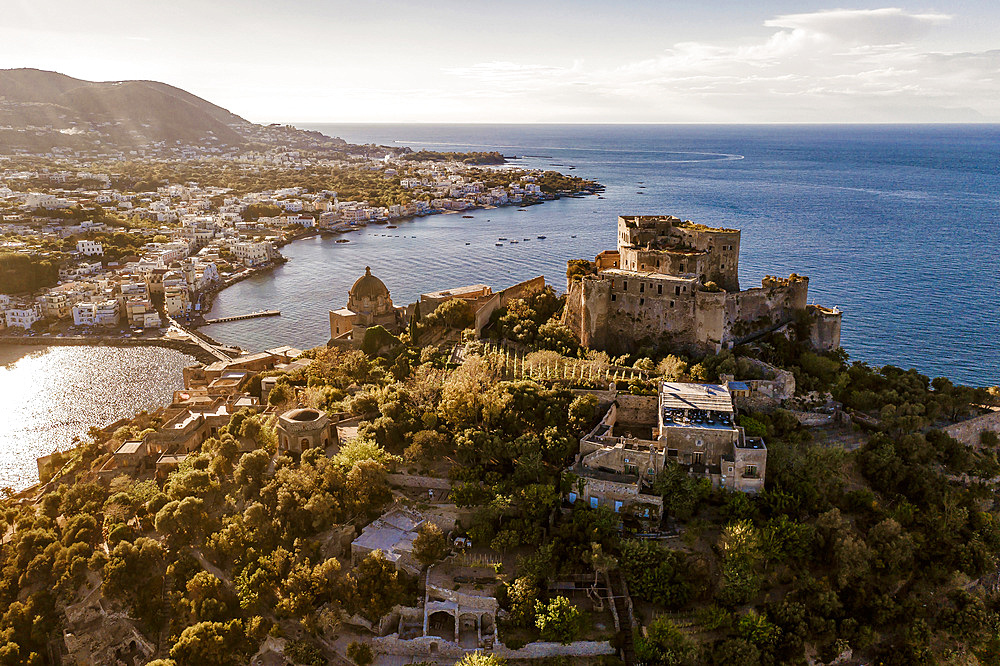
521	210
527	239
343	240
541	238
514	242
502	238
573	236
498	244
599	197
468	217
468	243
640	192
392	226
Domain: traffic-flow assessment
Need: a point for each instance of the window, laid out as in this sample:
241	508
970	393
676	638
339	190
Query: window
642	301
593	502
642	287
572	498
659	289
613	298
750	471
677	291
699	442
618	506
671	304
697	457
682	268
624	285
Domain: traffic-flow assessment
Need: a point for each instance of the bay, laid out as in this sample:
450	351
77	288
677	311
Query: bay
897	225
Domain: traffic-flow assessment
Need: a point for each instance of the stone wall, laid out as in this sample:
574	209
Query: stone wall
502	298
969	432
637	408
754	310
414	481
431	646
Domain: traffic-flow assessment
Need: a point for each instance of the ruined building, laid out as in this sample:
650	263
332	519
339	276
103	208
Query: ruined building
675	284
693	425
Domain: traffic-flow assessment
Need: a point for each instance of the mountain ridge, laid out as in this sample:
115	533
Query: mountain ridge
41	109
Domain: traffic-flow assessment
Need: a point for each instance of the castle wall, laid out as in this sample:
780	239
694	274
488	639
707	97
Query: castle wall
711	254
710	319
668	262
754	310
824	329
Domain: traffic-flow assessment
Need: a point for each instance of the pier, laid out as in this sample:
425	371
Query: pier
252	315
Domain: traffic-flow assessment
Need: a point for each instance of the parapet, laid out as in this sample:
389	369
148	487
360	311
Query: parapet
770	281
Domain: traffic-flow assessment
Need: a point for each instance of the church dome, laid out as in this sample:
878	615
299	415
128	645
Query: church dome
369	286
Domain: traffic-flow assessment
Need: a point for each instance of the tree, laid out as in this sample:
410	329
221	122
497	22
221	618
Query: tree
134	574
377	586
559	620
211	644
664	644
740	548
672	368
360	653
430	544
478	658
657	574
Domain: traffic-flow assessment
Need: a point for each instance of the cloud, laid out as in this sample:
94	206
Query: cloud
839	65
889	25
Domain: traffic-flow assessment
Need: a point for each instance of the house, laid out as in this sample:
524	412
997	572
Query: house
89	247
23	315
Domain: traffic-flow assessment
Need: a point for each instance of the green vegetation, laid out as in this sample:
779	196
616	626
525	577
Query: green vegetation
492	157
887	551
25	273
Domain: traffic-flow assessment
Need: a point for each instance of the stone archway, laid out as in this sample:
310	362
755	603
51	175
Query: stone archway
441	623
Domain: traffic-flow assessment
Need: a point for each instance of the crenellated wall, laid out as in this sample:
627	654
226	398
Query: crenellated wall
653	292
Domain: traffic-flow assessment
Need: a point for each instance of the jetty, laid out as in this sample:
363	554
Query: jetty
252	315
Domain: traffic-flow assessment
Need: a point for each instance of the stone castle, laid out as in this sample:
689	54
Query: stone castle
674	284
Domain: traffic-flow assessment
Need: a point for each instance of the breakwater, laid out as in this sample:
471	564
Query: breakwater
184	346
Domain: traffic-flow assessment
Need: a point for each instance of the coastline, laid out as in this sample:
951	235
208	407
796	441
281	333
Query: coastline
207	298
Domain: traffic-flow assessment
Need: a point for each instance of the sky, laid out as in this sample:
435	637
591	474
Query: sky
586	61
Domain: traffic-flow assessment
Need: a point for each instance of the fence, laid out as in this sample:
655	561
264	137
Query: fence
517	363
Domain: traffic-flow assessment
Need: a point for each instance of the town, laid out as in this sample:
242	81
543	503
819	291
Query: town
79	256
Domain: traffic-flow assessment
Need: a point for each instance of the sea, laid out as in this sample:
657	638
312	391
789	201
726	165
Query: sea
897	225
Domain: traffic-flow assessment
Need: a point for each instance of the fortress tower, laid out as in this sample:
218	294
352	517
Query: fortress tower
674	284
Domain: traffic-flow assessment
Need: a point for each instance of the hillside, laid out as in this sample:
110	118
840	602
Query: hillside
40	110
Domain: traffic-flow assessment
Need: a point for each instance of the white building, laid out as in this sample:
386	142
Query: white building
23	315
101	313
253	253
89	247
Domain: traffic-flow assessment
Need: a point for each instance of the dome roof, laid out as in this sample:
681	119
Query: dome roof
369	286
